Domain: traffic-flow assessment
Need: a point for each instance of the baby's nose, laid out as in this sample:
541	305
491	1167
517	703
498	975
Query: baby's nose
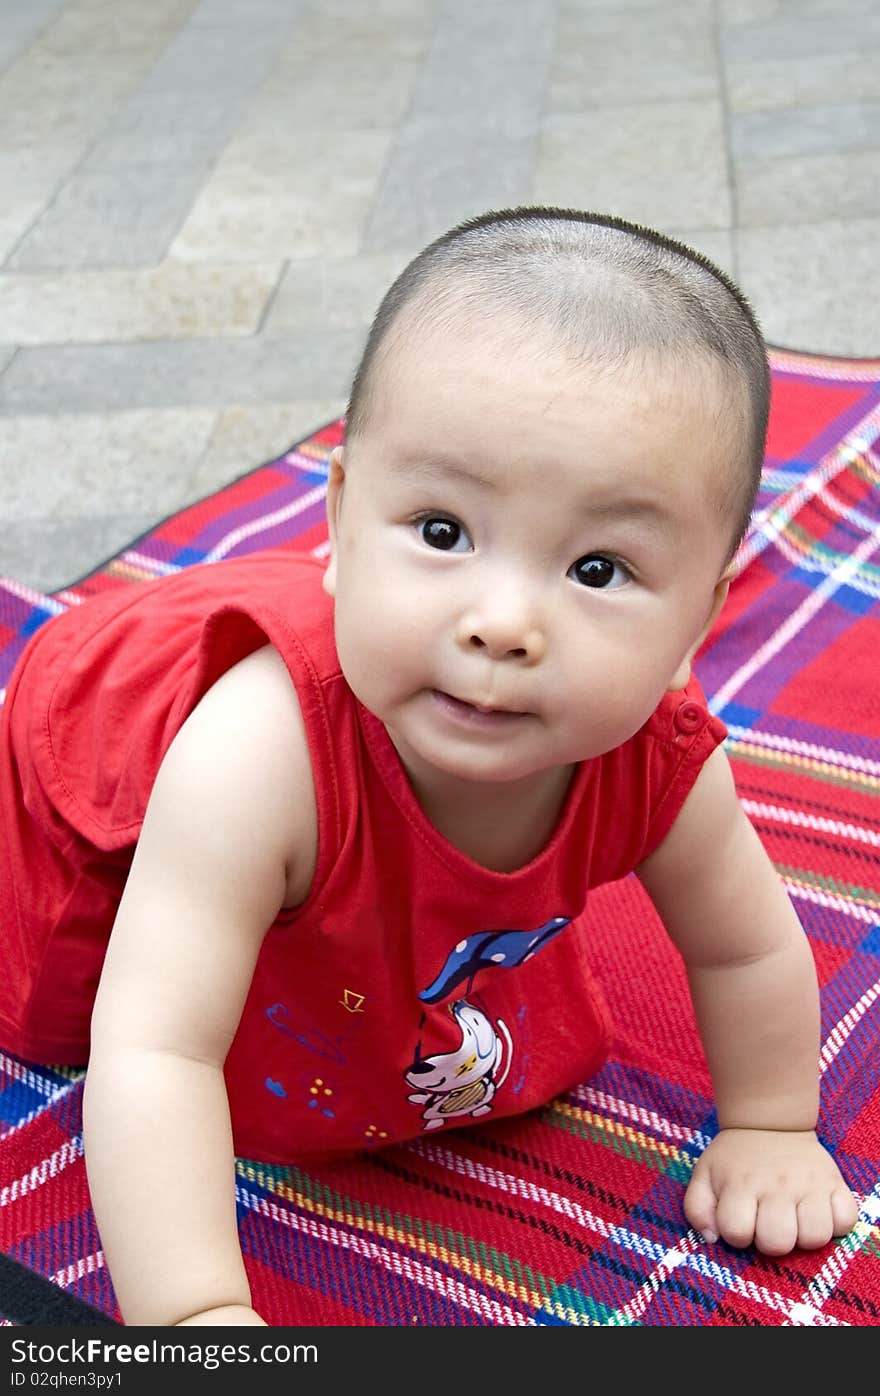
503	632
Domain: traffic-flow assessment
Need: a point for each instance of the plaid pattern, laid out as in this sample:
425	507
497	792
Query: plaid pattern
572	1215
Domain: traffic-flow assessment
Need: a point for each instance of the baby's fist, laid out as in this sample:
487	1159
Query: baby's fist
777	1189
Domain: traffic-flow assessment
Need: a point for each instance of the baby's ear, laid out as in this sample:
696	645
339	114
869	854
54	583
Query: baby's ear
335	485
682	675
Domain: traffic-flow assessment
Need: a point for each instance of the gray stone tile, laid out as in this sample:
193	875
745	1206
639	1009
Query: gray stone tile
107	377
47	99
17	216
7	354
513	102
501	30
322	293
11	46
273	197
30	179
38	167
625	8
607	56
384	30
811	285
371	90
797	35
467	143
805	130
502	97
108	26
580	81
23	21
232	14
229	222
662	164
807	189
73	466
733	12
208	59
169	129
438	175
246	437
50	554
821	79
640	25
748	11
120	218
173	301
80	68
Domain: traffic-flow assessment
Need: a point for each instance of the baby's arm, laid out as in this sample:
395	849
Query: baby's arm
765	1177
233	797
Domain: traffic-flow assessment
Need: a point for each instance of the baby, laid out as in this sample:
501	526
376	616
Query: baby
295	855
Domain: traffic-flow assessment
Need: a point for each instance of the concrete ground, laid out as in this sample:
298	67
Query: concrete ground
203	201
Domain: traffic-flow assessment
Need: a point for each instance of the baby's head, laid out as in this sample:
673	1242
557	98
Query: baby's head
609	294
553	446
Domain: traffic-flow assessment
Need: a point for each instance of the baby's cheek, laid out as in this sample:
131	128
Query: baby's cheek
374	651
616	711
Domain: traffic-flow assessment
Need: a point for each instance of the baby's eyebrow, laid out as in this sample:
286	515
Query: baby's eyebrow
439	468
648	511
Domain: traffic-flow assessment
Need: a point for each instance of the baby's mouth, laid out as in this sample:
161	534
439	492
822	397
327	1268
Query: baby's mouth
474	712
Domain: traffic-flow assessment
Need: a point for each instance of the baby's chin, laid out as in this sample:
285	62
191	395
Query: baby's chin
486	755
481	772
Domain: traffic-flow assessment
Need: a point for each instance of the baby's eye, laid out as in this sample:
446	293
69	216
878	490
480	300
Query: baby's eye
599	572
444	534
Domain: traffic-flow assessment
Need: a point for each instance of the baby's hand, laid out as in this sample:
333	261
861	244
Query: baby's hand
775	1188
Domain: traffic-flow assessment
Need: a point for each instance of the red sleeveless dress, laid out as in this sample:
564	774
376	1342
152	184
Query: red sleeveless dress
414	990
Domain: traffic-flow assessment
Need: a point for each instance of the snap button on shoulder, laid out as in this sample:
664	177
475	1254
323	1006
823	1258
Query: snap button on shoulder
689	717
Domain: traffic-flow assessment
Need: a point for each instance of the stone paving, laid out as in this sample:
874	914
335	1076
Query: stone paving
204	200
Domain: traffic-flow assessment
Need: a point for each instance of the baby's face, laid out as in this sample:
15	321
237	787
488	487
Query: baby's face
525	553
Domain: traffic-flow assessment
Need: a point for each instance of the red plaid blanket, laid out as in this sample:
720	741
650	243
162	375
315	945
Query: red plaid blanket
572	1215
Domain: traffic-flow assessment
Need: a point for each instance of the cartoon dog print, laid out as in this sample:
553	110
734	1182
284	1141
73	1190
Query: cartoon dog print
463	1082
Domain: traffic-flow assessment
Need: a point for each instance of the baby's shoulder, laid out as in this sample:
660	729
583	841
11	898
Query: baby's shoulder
254	705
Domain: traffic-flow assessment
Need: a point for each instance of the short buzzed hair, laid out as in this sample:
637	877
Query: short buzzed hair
609	292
